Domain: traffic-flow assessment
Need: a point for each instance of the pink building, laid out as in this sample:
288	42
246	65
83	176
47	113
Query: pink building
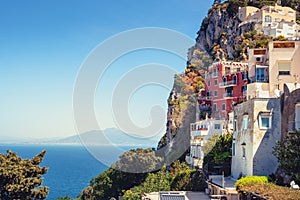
225	85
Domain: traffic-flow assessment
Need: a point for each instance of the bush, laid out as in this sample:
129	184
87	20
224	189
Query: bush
241	183
270	191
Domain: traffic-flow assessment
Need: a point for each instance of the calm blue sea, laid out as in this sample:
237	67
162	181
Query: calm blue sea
70	167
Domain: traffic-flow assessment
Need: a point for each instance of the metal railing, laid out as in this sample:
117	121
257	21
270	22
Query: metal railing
228	83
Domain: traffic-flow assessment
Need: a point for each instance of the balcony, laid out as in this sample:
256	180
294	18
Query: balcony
200	132
196	142
228	96
228	84
255	79
207	98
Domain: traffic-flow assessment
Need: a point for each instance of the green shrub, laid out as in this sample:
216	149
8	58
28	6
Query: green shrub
250	180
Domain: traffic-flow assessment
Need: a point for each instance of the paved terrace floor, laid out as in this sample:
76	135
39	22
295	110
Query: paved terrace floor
217	180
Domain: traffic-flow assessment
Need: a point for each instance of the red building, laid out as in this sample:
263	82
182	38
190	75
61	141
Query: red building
225	85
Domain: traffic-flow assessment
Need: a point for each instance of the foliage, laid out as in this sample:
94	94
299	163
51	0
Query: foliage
22	178
261	3
217	152
242	182
270	191
138	161
280	38
233	6
129	195
288	155
115	180
188	180
251	40
177	177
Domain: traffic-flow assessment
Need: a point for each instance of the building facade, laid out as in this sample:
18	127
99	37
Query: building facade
225	85
256	131
201	131
270	69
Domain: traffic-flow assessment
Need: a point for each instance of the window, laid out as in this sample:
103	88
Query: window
235	79
234	125
216	72
284	68
297	116
224	80
241	15
216	93
265	119
208	94
245	122
223	106
216	81
268	18
233	148
244	152
217	126
208	83
245	76
244	89
214	108
260	74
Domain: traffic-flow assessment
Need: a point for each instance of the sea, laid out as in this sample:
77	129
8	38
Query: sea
71	167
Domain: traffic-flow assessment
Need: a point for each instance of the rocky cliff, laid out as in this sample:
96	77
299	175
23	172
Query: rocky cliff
219	33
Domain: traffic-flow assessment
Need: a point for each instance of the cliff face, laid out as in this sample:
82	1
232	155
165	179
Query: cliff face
218	33
216	40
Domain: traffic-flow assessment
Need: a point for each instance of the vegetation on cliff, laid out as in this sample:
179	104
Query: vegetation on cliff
22	178
178	177
114	183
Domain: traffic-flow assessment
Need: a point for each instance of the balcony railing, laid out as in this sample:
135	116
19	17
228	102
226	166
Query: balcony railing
227	95
228	83
203	132
208	98
196	142
211	75
255	79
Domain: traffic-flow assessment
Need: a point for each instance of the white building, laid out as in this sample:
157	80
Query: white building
200	132
257	128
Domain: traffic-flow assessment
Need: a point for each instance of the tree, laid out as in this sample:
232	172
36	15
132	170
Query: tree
218	154
22	178
288	155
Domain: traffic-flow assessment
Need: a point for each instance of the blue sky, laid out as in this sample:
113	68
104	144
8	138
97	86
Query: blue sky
44	43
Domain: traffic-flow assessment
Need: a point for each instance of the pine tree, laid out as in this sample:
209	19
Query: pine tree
22	178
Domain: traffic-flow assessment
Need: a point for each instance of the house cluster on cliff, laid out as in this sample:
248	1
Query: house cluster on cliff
272	20
258	101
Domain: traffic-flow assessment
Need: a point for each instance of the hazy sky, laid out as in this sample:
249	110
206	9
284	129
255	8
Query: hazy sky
44	43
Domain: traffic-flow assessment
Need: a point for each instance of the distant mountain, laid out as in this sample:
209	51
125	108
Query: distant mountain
107	137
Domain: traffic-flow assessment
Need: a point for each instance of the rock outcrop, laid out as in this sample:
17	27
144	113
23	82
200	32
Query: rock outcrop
219	31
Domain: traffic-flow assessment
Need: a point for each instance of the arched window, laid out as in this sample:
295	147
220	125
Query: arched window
268	18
